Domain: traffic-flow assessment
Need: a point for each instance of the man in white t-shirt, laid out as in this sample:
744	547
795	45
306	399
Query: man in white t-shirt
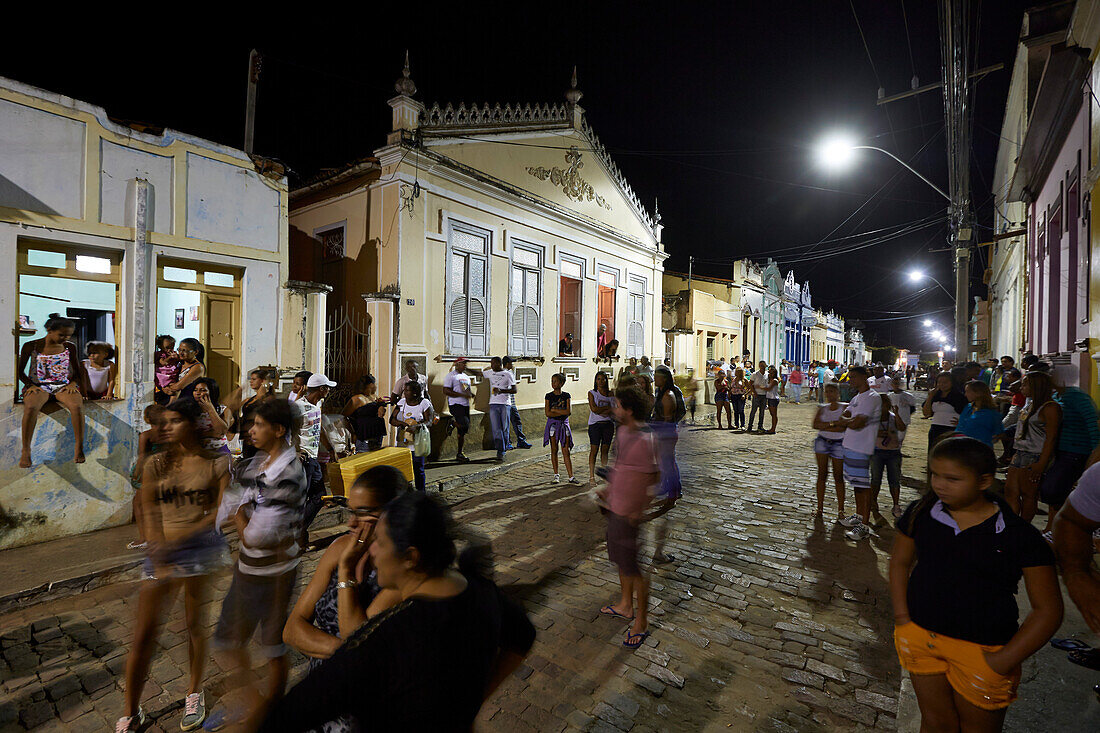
1078	518
456	386
784	374
410	375
861	423
759	382
880	382
311	439
502	385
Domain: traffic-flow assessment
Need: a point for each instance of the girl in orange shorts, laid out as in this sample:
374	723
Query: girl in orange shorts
957	561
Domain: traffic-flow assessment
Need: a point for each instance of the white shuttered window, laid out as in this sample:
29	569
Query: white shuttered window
525	301
467	290
635	331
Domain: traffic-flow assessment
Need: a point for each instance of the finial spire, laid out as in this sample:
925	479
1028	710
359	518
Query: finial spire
656	212
573	95
405	84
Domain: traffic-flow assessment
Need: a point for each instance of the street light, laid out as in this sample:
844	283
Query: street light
927	322
839	150
937	335
918	275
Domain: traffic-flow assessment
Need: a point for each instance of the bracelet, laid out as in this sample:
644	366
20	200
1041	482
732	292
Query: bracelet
347	584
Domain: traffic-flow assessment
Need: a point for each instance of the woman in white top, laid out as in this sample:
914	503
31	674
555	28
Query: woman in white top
773	399
944	405
414	413
829	448
601	426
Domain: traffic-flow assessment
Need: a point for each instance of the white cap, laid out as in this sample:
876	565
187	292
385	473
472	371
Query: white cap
319	380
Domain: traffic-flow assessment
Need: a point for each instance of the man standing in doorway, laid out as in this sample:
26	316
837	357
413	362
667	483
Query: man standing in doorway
410	375
861	421
456	385
502	385
513	412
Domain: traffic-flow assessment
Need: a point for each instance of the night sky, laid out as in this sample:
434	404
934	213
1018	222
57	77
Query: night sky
714	108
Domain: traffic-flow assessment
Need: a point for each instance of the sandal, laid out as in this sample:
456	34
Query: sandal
609	611
633	641
1086	658
1069	645
1049	537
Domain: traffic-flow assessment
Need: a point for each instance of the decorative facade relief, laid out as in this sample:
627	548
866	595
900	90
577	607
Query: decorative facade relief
572	185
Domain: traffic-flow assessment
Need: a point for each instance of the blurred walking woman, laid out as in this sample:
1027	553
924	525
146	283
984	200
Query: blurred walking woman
427	662
181	488
260	382
50	369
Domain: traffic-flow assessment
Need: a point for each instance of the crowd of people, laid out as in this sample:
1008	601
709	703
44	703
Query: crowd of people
421	629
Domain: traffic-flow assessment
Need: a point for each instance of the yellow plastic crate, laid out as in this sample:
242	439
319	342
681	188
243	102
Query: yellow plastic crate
342	473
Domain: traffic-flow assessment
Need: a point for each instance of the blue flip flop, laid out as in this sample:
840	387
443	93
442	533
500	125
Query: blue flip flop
633	641
1069	645
609	611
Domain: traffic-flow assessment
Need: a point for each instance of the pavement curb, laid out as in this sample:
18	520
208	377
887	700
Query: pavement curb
130	569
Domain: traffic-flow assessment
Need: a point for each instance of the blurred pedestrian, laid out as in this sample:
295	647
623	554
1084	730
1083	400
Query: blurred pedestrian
632	484
558	408
668	411
181	488
150	442
268	514
428	661
1074	526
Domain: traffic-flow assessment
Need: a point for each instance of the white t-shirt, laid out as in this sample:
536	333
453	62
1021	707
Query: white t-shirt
1086	497
881	384
830	376
828	415
784	370
457	382
903	401
862	440
501	380
601	401
406	411
309	437
773	392
759	383
399	385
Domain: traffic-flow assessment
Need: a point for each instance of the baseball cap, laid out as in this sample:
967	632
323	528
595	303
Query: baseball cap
461	360
319	380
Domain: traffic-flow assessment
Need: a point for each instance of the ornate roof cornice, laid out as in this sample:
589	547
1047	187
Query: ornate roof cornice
485	119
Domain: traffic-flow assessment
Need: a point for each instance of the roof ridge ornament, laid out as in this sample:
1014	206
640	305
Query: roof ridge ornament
573	95
405	84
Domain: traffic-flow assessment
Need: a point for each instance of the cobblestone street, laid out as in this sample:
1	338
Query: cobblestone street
768	620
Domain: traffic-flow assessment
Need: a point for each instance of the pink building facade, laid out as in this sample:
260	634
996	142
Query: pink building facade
1058	260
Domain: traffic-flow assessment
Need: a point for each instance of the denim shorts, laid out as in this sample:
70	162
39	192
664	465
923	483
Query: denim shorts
831	448
1024	459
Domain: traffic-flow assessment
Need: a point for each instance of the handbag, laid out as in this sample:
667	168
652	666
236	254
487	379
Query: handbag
422	443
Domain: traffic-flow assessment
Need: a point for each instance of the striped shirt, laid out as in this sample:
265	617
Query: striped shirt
274	499
1079	432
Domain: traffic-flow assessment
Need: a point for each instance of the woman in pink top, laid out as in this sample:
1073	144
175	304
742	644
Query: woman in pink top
631	486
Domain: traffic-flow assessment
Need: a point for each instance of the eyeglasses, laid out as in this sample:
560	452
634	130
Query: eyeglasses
366	511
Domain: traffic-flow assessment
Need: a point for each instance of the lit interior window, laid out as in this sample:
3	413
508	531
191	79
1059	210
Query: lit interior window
45	258
100	265
217	279
180	275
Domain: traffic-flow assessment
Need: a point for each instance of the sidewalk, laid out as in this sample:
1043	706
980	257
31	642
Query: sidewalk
72	565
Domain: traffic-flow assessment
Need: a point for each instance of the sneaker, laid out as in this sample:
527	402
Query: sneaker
130	722
525	445
194	711
461	458
859	532
573	480
137	545
898	511
556	479
851	521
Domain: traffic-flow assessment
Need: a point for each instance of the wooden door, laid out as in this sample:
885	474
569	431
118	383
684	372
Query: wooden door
221	326
607	310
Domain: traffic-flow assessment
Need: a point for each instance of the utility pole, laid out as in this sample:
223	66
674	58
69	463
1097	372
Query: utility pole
954	50
255	61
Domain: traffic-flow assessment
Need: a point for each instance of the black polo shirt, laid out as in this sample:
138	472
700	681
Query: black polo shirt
964	583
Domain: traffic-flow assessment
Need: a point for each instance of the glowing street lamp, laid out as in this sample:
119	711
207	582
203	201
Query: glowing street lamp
927	322
837	151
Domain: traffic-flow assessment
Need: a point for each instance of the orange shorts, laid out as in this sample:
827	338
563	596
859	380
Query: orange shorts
924	652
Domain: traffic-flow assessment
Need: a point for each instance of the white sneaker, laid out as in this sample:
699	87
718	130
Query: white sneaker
556	479
573	480
130	722
194	711
850	521
859	532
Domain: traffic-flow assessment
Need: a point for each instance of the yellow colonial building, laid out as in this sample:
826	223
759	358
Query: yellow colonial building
702	320
481	231
819	337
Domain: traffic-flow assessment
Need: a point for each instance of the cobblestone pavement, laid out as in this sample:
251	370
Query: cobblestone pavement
769	620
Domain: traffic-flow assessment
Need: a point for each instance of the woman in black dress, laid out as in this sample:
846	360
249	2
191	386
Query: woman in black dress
366	413
428	661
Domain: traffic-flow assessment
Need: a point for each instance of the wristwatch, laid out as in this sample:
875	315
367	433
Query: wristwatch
347	584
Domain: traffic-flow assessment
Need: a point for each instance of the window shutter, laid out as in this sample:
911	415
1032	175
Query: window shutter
635	329
533	310
456	304
479	307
